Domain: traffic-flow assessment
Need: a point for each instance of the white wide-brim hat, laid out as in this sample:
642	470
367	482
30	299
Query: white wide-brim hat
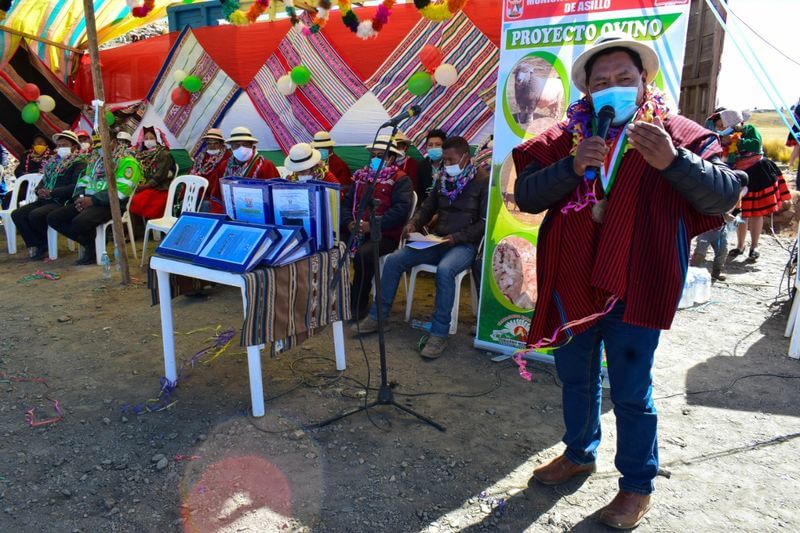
322	139
124	136
302	156
241	134
612	40
384	142
68	135
732	117
214	134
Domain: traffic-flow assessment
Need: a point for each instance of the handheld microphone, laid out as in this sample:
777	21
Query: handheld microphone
604	119
412	111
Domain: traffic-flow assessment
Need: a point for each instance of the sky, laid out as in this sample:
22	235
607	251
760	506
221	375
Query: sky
777	21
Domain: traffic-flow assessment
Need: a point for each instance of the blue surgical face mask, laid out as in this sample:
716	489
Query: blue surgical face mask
725	132
324	153
622	99
374	163
435	153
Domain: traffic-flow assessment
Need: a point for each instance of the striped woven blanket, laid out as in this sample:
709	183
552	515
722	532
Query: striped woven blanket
334	88
458	109
285	305
207	107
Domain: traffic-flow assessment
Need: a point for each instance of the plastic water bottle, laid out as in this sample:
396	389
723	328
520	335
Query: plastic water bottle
106	262
116	258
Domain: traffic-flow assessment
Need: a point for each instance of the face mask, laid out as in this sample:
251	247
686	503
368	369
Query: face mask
452	170
725	132
622	99
324	153
435	153
150	143
243	153
374	163
39	149
304	177
212	151
63	151
86	146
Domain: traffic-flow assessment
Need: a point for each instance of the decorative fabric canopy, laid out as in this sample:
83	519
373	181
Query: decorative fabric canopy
62	21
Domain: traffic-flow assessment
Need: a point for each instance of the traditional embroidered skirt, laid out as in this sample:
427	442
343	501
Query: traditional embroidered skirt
766	201
149	203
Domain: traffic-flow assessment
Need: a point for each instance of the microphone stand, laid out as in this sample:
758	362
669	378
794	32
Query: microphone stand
385	392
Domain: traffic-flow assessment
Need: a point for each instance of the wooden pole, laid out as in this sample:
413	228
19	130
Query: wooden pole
105	139
36	38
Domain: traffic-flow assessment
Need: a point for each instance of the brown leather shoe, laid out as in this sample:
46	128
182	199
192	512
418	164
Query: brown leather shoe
560	470
625	511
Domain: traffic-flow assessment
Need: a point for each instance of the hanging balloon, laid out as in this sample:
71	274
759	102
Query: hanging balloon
31	92
181	96
445	75
192	83
179	75
285	85
110	118
430	57
46	103
30	113
300	75
420	83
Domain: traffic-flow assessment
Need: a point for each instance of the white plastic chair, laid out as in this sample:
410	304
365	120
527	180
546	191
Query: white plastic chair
32	180
52	244
102	230
456	301
195	188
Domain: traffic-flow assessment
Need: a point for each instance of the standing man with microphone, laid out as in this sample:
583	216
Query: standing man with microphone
613	253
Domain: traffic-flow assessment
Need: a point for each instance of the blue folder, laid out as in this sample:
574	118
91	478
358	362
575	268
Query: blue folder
190	234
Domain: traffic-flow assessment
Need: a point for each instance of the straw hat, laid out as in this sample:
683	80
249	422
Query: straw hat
241	134
382	142
124	136
302	156
68	135
611	40
400	137
322	139
214	134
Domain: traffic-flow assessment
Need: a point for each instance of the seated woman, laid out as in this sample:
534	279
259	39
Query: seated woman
90	205
394	190
158	166
210	163
305	163
59	174
30	163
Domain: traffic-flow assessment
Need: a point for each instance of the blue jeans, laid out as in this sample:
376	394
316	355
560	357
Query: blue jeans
449	260
629	354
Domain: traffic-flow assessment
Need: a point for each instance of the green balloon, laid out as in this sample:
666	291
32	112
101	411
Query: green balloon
420	83
300	75
110	118
31	113
192	83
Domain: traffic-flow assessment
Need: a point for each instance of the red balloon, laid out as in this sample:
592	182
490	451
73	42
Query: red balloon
31	92
181	96
430	57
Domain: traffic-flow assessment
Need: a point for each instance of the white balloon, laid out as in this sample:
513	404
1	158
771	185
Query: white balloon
285	85
46	103
179	75
445	75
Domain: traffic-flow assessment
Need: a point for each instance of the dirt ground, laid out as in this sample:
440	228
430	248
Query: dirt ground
728	441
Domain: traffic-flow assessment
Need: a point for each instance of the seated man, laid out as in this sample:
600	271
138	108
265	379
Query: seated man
90	205
406	163
86	141
246	162
335	165
305	163
211	163
458	199
60	173
124	145
393	189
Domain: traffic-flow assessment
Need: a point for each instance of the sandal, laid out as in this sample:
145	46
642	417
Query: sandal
735	252
754	255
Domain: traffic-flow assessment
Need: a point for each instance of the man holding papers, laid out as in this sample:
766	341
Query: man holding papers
394	191
458	201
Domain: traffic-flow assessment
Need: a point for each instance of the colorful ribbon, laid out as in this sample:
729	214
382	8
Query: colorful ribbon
30	416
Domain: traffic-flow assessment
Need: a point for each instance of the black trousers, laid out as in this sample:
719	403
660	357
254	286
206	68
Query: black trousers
31	221
81	226
364	273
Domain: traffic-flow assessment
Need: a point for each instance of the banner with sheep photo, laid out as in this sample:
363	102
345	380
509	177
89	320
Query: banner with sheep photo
539	42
